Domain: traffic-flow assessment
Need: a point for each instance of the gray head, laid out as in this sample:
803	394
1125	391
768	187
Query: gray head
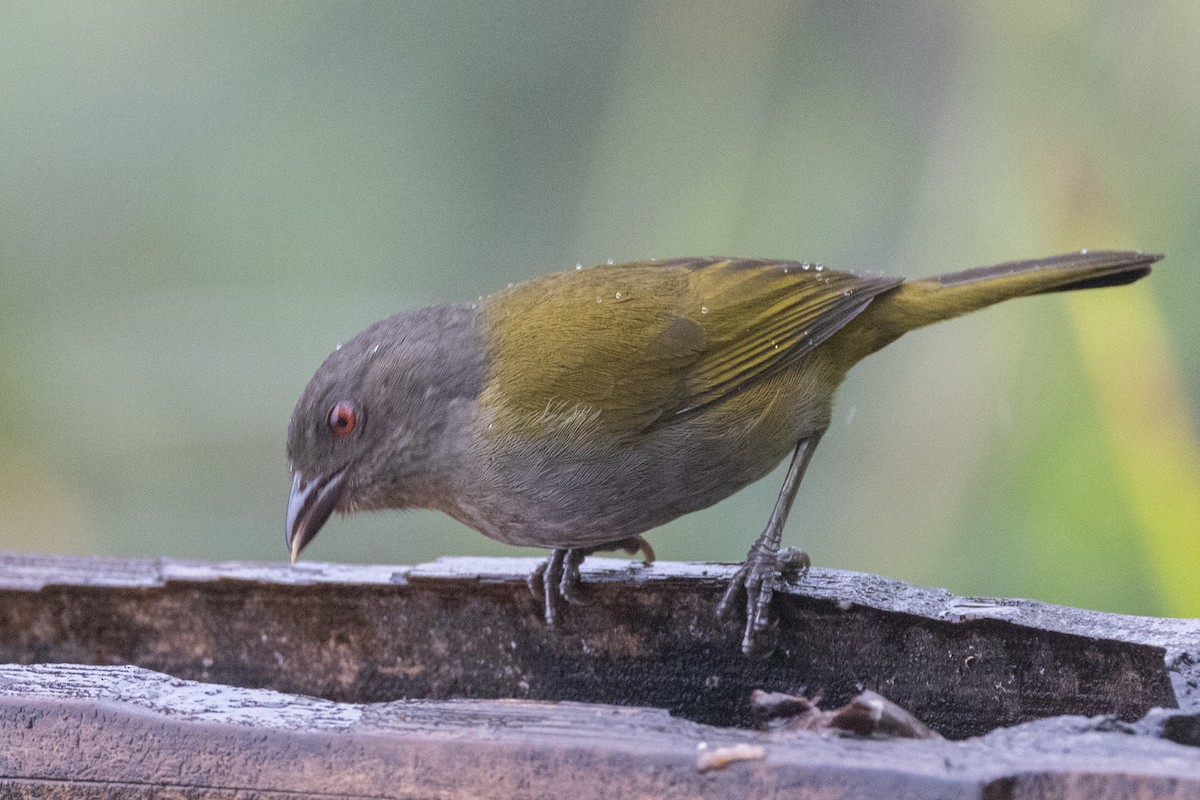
377	425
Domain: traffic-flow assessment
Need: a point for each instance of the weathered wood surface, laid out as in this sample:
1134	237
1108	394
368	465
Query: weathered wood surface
71	731
367	637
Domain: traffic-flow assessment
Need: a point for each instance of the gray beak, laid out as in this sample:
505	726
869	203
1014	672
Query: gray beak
310	504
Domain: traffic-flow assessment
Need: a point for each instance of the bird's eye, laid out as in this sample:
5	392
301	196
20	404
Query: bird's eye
342	419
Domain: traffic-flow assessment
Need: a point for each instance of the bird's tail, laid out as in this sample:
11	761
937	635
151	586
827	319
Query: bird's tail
914	304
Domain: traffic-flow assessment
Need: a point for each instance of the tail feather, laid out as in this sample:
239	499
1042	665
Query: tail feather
917	303
1082	270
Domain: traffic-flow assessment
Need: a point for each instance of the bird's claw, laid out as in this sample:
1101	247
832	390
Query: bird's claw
570	585
756	581
558	576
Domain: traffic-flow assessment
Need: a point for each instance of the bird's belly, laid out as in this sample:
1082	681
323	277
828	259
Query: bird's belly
588	490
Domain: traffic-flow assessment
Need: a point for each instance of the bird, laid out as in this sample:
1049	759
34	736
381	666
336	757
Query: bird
578	410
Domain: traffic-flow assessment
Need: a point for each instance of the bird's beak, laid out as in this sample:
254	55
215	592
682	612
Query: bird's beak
309	506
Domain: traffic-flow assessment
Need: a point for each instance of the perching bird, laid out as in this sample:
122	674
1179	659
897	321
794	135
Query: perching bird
580	409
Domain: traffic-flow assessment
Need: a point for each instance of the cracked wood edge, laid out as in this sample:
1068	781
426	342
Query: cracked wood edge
124	731
30	572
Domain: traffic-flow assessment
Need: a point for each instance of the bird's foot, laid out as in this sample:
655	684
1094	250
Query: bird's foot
755	579
558	576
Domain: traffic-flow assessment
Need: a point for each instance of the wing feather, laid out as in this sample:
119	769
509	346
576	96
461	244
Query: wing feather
644	342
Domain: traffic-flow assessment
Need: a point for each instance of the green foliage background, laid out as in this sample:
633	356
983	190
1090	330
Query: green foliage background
199	200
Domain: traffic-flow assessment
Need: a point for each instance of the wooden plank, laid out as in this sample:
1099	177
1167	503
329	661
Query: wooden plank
77	731
304	673
469	628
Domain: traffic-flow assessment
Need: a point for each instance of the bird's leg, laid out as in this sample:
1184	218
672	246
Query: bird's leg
756	577
558	576
543	583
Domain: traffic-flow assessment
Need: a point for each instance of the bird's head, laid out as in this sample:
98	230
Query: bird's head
379	419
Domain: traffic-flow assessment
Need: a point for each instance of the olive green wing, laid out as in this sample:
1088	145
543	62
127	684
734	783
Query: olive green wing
629	346
760	316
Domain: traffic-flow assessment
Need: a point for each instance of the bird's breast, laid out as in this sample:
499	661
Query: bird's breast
559	477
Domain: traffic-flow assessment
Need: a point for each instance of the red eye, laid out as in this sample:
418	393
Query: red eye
342	419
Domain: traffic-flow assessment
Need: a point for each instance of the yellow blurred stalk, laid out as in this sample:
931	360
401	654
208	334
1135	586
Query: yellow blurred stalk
1146	417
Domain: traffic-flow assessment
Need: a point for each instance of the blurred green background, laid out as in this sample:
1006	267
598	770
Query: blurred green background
199	200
